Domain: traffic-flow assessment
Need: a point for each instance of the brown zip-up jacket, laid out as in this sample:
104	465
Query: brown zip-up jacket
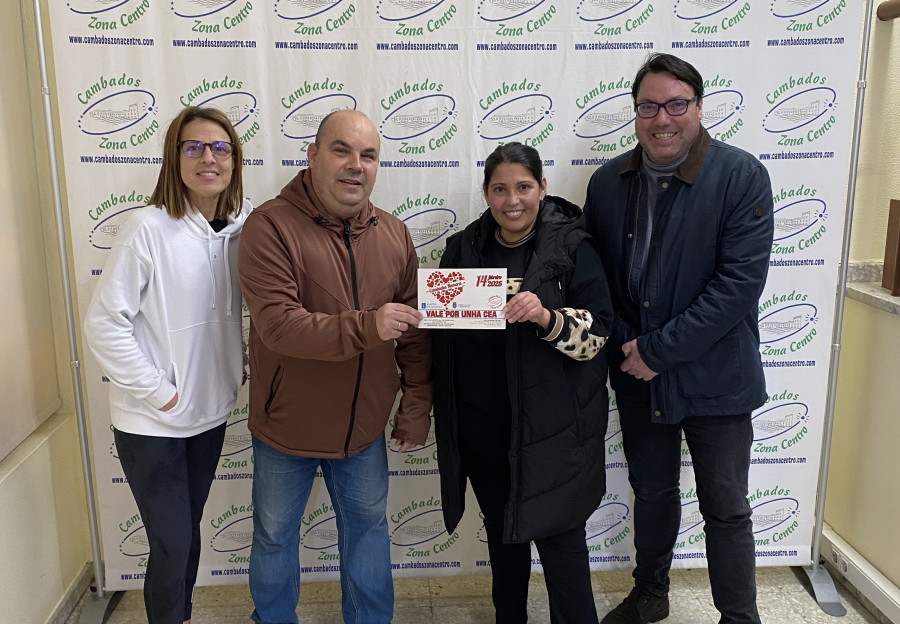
322	382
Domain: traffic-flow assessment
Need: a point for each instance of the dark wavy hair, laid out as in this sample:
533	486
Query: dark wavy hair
514	154
170	192
680	70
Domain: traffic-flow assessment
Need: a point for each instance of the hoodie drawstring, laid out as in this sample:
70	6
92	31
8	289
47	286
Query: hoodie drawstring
211	258
228	292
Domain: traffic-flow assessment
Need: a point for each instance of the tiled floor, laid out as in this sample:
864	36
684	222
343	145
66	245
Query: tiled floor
784	598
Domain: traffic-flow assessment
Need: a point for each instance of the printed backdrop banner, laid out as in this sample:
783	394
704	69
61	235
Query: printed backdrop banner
445	81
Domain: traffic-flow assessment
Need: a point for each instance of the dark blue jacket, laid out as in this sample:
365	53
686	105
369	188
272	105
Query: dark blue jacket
694	307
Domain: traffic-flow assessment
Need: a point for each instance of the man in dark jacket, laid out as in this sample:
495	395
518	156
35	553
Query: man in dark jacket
684	226
330	282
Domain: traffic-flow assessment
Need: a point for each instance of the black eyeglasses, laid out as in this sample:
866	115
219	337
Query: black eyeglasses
675	108
195	149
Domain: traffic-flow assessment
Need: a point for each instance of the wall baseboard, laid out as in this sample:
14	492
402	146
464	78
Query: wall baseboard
875	591
70	600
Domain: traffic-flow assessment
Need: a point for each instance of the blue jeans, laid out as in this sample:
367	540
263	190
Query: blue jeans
720	450
358	487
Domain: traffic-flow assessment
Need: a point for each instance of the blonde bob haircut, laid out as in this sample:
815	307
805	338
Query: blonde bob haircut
170	193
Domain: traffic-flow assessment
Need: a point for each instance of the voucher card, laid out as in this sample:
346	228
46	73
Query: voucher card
462	298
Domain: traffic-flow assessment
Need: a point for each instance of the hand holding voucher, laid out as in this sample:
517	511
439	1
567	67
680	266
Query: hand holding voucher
392	319
526	306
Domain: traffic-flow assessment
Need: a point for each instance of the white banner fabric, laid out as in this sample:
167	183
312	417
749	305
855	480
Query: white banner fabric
445	81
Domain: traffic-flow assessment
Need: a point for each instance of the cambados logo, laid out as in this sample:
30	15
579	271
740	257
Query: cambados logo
419	527
608	525
627	18
721	112
799	110
318	531
304	9
776	518
781	426
237	441
199	8
796	8
428	221
517	18
404	10
798	14
800	117
88	7
234	530
114	201
134	541
104	233
212	16
324	20
429	226
419	117
607	113
110	14
121	119
720	15
497	10
799	224
516	108
226	94
785	323
599	10
309	104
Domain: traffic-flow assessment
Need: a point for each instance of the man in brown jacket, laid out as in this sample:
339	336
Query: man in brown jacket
330	282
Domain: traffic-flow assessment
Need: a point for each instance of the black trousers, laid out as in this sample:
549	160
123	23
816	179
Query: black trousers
484	449
170	479
720	450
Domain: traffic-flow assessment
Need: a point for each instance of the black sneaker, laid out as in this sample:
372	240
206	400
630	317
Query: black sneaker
639	608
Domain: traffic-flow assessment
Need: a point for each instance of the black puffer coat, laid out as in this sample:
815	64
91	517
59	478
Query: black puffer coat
559	405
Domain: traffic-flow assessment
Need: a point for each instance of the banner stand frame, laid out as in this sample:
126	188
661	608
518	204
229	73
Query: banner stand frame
822	584
95	610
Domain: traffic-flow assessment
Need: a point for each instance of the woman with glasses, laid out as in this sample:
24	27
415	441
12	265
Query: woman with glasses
165	326
522	413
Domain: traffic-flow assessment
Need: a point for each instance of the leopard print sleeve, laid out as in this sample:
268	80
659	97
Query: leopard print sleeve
569	331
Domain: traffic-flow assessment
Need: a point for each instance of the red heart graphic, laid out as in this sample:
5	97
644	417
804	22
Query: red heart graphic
445	288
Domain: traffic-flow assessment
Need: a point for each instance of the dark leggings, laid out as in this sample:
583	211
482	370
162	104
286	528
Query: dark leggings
484	452
170	479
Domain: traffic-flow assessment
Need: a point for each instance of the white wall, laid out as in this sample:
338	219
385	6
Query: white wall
863	498
44	543
879	161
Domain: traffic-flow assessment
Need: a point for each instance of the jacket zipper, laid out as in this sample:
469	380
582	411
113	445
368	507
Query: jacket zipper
359	367
273	388
637	212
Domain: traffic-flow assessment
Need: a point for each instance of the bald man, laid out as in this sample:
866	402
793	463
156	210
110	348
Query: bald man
330	281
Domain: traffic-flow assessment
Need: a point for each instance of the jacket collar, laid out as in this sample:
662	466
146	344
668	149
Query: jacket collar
688	170
553	214
300	193
556	217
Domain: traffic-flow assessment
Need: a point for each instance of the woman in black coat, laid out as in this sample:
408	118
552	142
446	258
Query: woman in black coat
522	413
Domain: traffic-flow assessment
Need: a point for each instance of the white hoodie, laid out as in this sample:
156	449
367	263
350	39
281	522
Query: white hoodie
165	318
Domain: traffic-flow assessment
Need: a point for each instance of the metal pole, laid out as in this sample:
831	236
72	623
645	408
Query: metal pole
71	326
823	586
